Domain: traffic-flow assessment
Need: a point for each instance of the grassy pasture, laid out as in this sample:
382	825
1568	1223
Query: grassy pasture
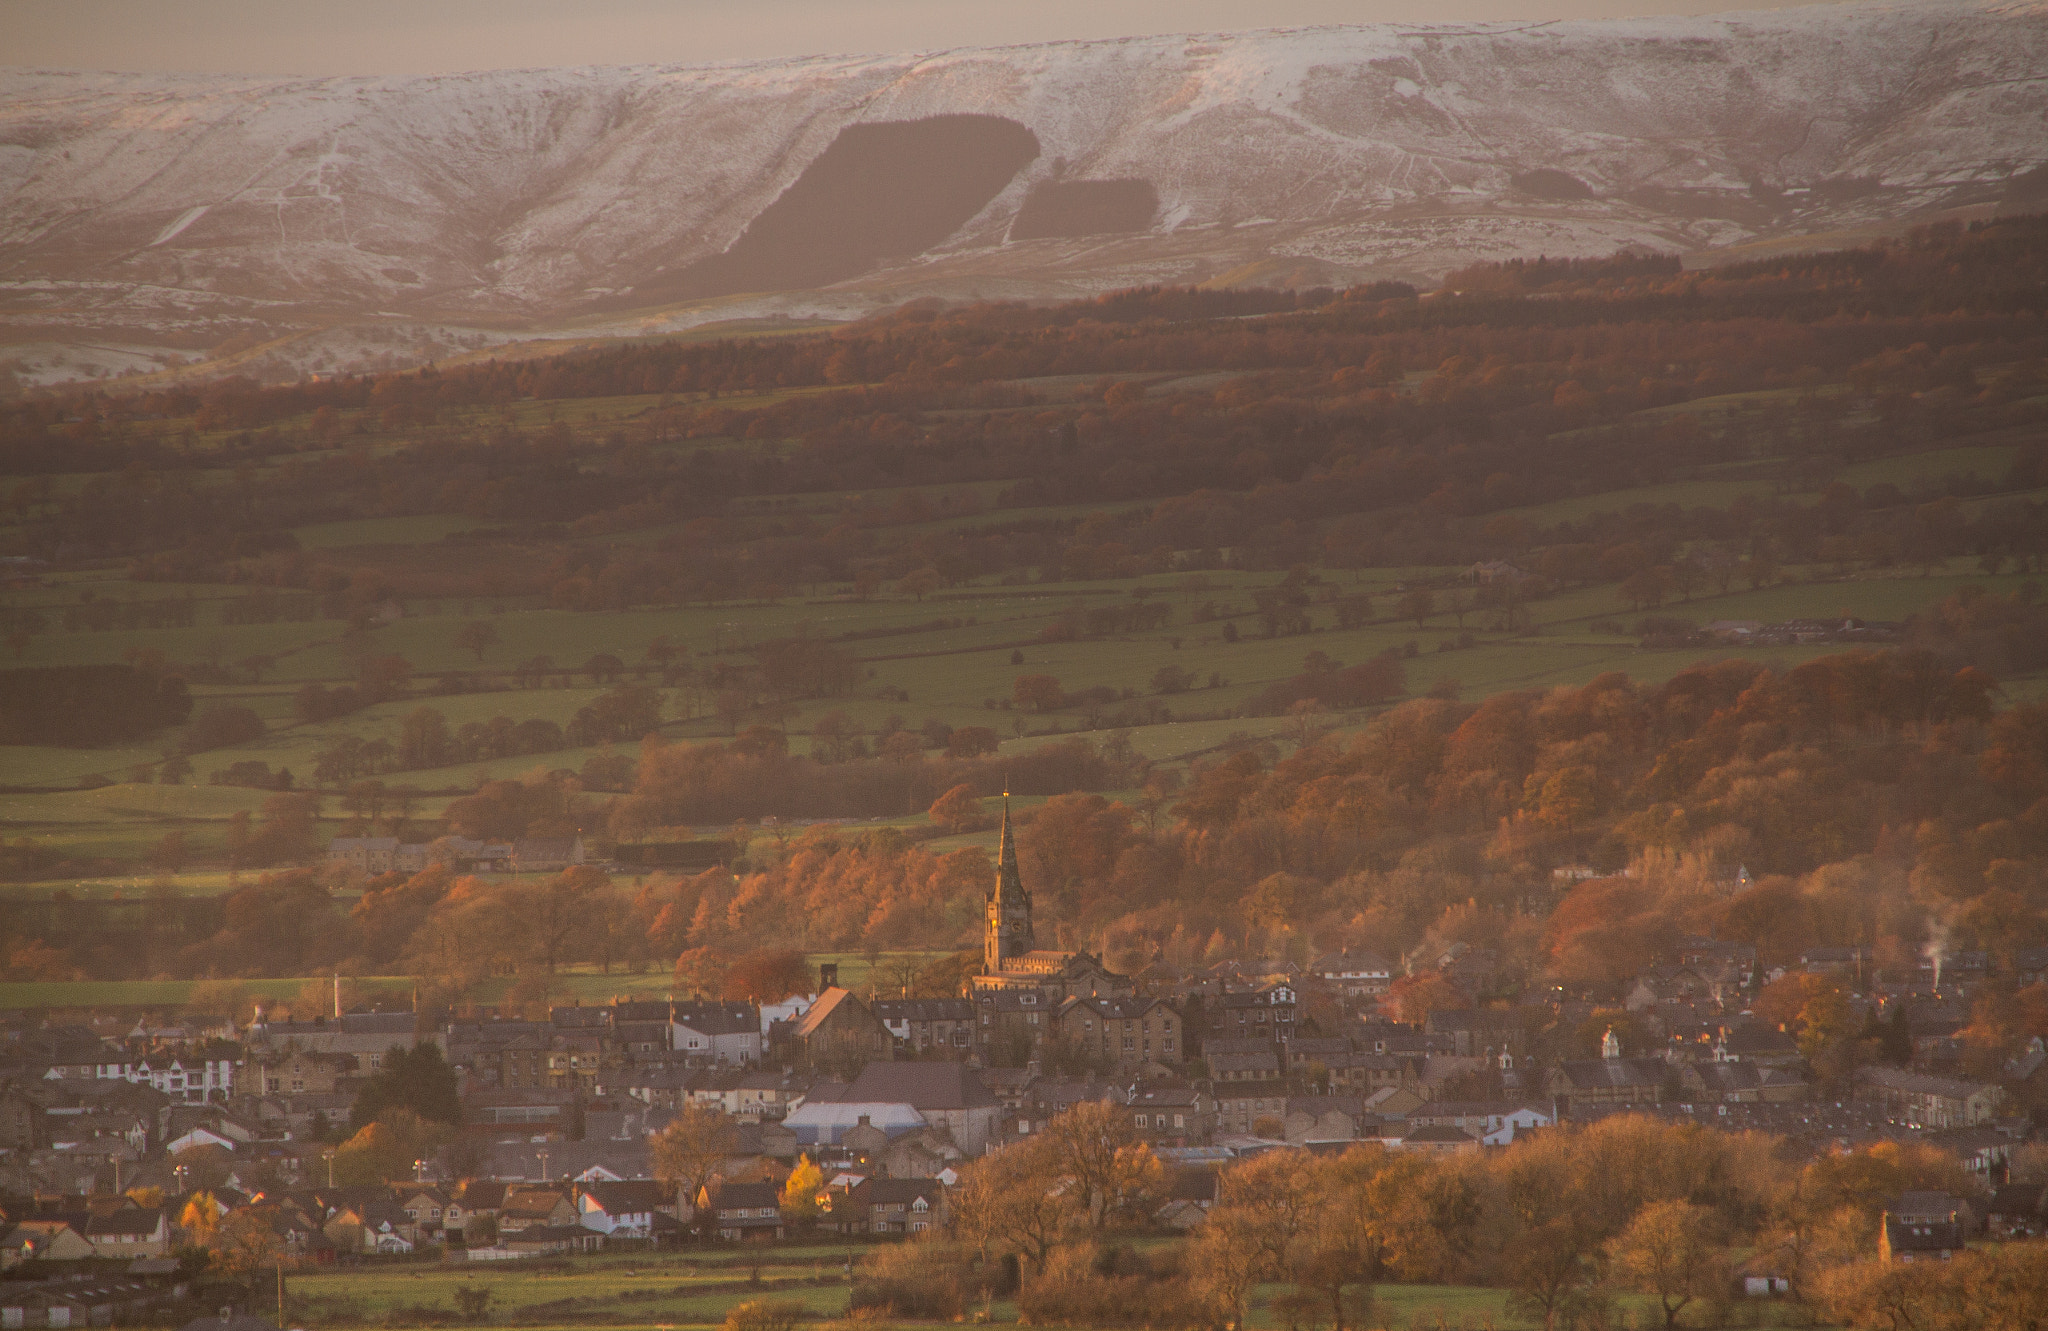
1685	494
165	993
950	674
413	530
698	1289
915	670
584	984
1989	461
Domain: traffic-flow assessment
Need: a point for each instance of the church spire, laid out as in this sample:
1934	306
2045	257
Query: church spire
1007	879
1009	906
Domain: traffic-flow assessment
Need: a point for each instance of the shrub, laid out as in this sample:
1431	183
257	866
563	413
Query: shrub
923	1281
1112	1287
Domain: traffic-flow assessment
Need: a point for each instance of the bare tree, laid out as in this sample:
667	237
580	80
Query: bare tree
692	1150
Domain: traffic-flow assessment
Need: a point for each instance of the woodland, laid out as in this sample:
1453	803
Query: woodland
678	591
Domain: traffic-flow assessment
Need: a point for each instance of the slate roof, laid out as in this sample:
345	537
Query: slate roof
923	1009
883	1191
633	1195
727	1195
922	1085
1903	1237
140	1221
1920	1083
1592	1073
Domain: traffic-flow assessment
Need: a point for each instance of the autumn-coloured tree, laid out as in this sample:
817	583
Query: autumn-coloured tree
1671	1250
768	975
959	810
1040	693
803	1194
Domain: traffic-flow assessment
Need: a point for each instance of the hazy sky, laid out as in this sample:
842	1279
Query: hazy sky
424	36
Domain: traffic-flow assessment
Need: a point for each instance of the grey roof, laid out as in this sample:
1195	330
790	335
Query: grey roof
924	1085
733	1194
1266	1062
1613	1072
712	1021
924	1009
1939	1236
1152	1097
632	1195
1920	1083
1114	1009
880	1191
1337	963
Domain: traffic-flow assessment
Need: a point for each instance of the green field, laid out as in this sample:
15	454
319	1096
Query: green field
960	674
585	984
668	1290
166	993
665	1289
384	531
951	656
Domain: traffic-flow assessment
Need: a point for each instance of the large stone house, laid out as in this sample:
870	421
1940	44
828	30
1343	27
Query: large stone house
926	1027
1125	1033
891	1206
364	1036
130	1232
294	1071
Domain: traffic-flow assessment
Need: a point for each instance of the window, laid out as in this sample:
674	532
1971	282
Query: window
1144	1121
1180	1120
376	1060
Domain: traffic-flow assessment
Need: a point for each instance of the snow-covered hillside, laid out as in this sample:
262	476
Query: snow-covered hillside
236	218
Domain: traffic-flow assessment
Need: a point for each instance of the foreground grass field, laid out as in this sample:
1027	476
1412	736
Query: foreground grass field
670	1290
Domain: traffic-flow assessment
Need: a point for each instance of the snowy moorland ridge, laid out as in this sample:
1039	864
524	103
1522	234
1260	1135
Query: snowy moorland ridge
280	225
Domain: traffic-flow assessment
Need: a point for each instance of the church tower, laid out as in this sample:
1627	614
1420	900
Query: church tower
1009	906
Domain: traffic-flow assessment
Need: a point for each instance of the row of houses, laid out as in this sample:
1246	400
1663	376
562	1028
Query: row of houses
373	855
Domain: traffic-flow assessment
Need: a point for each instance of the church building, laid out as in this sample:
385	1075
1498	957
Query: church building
1011	959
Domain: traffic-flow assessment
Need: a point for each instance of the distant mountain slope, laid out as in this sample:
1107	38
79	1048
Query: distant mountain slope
404	218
